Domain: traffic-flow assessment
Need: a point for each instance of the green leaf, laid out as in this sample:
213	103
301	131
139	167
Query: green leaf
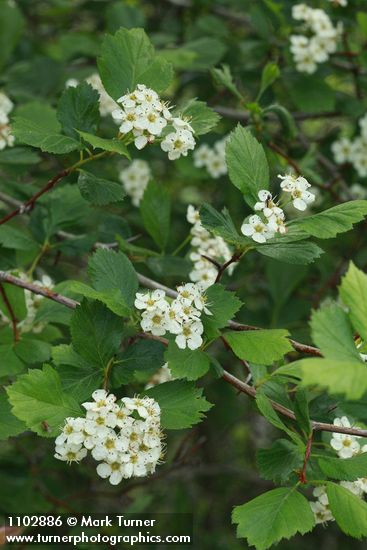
32	351
10	425
96	332
265	407
223	77
247	165
113	145
223	305
39	401
36	124
78	109
113	299
11	237
300	253
109	270
10	362
347	469
349	511
185	363
353	292
127	59
269	75
16	297
182	404
337	219
279	461
259	346
155	211
142	356
301	410
221	224
202	118
333	334
98	190
273	516
338	377
78	377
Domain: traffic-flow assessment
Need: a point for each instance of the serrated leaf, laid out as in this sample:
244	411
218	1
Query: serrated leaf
19	156
186	363
273	516
279	461
338	377
98	190
223	305
78	377
16	298
10	362
32	351
37	398
113	145
332	333
111	298
36	124
259	346
142	356
337	219
155	211
299	253
353	292
349	511
265	407
127	59
202	118
301	410
11	237
247	165
96	332
10	425
109	270
78	109
221	224
182	404
222	76
347	469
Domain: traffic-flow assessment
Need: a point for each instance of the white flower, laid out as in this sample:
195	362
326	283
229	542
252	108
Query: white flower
301	12
70	452
151	300
345	445
342	150
192	215
109	447
256	229
353	486
213	159
114	471
6	137
178	143
297	187
154	321
150	120
162	375
102	401
190	335
320	508
127	118
72	432
201	156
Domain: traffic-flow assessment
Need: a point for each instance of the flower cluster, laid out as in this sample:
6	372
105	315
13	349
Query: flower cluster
180	317
125	438
32	302
212	158
6	137
146	116
346	446
308	51
135	179
272	219
203	244
353	150
106	104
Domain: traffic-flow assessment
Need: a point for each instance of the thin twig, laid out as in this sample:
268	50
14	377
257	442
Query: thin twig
29	204
302	473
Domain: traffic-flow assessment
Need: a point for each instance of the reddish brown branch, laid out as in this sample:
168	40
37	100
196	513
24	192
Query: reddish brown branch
13	318
29	204
302	473
286	157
